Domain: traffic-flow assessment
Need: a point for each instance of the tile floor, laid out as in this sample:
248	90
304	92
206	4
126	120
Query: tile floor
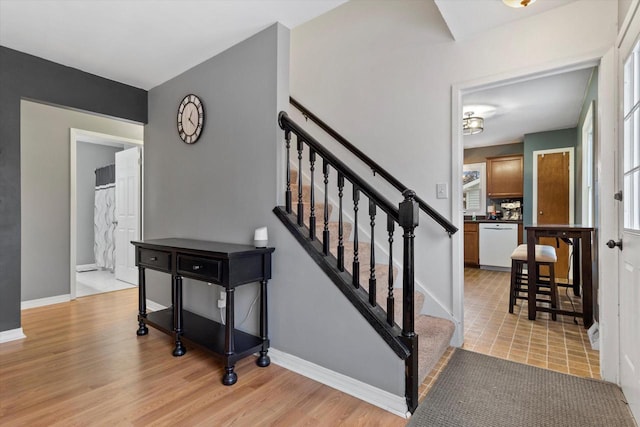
97	282
489	328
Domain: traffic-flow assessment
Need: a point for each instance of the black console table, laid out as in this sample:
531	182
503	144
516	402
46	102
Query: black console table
225	264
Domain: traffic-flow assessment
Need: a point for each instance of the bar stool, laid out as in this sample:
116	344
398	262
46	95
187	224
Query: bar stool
545	255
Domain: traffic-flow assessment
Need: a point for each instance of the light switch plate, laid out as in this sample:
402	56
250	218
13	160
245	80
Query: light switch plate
442	191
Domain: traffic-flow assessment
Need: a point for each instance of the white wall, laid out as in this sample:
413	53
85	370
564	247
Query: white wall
45	192
381	74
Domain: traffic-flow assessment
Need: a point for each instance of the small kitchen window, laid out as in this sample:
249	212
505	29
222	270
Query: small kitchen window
474	189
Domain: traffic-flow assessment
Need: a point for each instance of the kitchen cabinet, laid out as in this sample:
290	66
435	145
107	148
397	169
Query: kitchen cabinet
471	252
505	176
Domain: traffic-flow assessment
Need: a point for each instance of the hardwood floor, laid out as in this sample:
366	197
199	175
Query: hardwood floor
82	364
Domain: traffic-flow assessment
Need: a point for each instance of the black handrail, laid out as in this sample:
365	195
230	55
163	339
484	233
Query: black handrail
375	167
289	125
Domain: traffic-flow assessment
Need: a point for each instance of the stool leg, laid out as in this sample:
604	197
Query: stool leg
512	286
553	289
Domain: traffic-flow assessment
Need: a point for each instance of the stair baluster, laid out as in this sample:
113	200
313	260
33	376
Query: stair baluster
312	215
355	271
372	257
340	223
287	193
408	220
300	205
390	300
325	231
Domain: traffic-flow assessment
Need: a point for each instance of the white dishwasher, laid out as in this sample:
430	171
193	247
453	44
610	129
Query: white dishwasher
497	242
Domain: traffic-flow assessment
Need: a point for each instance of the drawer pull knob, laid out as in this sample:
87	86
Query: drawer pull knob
197	267
153	258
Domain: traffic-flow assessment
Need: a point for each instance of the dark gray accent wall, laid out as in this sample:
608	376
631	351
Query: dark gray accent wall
541	141
89	157
25	76
225	186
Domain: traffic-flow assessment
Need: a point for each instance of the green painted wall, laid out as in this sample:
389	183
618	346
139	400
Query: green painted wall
541	141
480	154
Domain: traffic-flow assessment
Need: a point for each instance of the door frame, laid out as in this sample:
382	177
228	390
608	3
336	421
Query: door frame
86	136
534	183
606	131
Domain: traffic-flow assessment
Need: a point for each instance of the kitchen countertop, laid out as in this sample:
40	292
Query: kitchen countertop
484	220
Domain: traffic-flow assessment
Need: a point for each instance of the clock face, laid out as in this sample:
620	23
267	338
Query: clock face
190	119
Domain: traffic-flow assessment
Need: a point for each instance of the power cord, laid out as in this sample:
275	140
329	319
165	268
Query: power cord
573	307
253	303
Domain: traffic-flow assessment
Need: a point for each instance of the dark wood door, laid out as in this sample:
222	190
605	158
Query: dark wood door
553	201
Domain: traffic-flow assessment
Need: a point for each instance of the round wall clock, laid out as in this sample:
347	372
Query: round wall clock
190	119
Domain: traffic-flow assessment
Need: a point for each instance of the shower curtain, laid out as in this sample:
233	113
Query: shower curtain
104	217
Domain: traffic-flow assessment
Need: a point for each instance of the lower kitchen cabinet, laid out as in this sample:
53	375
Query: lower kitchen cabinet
471	246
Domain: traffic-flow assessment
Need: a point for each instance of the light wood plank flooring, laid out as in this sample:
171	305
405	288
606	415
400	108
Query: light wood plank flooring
82	364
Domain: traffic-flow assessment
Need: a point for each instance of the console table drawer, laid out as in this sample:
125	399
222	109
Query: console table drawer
157	260
208	269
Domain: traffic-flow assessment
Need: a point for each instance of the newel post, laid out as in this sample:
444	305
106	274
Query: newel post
408	220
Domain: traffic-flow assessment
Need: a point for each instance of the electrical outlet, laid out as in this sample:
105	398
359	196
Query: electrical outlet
222	299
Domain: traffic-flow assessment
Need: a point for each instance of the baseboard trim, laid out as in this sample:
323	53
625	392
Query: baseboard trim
382	399
86	267
154	306
45	301
11	335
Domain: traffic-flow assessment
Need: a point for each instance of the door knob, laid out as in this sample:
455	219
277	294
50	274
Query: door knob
540	213
613	244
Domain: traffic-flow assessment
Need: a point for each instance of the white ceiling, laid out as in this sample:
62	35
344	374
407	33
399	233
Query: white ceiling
467	17
142	43
547	103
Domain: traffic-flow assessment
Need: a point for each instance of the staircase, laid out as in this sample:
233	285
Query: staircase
359	256
434	332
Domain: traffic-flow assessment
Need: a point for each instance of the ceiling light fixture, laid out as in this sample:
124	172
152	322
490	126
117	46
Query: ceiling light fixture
518	3
472	125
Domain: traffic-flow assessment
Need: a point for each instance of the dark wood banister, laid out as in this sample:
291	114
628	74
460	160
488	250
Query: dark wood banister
289	125
375	167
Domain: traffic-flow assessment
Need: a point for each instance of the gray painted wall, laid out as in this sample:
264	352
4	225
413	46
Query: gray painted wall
30	77
89	157
541	141
45	199
226	185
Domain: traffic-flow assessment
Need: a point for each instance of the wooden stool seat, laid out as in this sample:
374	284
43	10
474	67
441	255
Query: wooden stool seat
546	286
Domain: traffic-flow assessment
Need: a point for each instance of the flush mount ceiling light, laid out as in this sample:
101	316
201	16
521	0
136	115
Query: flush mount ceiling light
518	3
472	125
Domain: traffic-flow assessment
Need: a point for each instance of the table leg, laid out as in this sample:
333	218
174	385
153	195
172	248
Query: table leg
587	279
532	273
576	266
179	350
142	304
229	377
263	359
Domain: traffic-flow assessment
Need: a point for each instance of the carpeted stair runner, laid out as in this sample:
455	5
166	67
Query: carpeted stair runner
434	333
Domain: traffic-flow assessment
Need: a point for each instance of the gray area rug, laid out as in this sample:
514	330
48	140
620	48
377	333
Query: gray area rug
475	390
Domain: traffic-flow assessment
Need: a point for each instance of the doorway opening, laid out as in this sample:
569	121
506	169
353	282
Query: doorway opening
488	326
106	211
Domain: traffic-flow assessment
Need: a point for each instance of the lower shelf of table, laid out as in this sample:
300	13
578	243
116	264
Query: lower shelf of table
205	333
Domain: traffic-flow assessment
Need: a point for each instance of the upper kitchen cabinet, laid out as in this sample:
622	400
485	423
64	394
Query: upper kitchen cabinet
505	176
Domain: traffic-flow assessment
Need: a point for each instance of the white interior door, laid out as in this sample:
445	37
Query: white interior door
128	167
629	259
